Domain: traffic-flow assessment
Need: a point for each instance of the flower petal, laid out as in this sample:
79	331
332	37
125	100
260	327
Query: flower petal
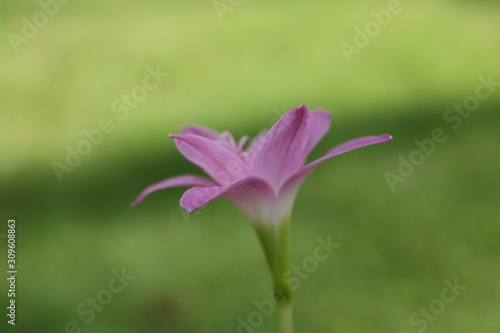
281	151
253	196
217	161
227	140
185	180
255	144
319	124
242	142
289	189
200	131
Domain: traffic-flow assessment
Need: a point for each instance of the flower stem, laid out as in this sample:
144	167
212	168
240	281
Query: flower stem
285	305
275	240
286	317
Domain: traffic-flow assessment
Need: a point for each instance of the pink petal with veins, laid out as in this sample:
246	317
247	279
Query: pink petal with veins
220	163
185	180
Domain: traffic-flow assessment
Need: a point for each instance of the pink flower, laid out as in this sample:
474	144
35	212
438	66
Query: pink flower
263	180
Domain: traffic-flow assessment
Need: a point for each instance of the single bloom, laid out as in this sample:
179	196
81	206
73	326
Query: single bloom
262	180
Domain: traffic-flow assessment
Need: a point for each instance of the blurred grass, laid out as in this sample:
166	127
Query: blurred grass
237	75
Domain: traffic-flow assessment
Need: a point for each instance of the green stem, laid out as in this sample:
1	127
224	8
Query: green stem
286	317
275	240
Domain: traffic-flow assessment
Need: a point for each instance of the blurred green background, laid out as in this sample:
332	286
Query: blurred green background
200	273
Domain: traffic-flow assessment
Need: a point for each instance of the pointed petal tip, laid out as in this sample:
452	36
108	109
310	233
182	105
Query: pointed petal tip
187	207
179	137
200	131
387	137
303	108
185	137
137	201
191	203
